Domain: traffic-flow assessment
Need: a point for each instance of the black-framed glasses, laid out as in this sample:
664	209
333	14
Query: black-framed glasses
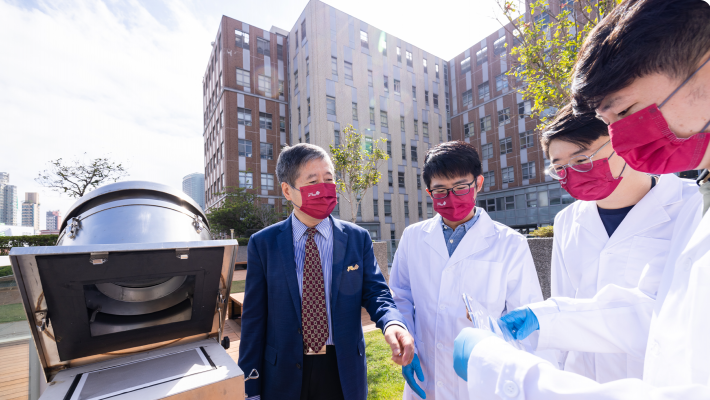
458	190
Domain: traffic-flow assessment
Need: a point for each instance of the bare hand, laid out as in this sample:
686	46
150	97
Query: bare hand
402	344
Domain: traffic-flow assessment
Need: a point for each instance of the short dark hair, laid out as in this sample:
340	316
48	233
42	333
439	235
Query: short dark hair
451	160
582	129
291	159
638	38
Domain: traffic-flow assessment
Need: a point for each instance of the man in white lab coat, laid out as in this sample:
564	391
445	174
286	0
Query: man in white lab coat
645	70
461	250
623	223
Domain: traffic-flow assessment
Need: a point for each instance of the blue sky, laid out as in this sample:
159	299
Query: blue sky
123	79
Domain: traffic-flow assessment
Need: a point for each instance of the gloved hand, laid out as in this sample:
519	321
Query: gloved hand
463	346
520	322
408	373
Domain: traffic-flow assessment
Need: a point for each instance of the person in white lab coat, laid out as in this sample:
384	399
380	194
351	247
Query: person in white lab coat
645	70
461	250
623	223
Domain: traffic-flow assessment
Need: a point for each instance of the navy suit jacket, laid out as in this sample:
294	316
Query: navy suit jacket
271	340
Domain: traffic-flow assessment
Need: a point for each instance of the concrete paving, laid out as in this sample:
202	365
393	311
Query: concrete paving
14	331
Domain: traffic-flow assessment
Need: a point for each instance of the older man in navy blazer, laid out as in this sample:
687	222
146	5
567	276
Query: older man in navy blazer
307	279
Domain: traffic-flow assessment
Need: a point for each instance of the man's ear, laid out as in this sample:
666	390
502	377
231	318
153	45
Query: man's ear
479	183
286	190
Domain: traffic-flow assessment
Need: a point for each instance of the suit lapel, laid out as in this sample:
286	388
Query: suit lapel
288	264
340	244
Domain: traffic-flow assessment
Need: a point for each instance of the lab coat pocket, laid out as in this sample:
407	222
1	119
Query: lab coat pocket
483	281
645	252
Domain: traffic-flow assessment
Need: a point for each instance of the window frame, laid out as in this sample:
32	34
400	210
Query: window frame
330	104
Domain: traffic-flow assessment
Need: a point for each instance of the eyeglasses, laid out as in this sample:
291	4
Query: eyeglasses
458	190
580	163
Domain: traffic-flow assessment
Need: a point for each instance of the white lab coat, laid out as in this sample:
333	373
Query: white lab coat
585	259
677	363
492	264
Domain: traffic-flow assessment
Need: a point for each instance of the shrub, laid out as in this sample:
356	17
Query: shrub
8	242
545	231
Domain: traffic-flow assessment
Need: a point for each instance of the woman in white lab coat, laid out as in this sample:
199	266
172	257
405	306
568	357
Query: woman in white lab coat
461	250
622	224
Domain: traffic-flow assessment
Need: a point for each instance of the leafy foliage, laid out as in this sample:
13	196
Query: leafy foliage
546	46
544	231
236	212
8	242
77	177
357	160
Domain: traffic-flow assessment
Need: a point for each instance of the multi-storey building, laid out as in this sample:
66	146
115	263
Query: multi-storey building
333	70
54	220
8	201
30	210
194	186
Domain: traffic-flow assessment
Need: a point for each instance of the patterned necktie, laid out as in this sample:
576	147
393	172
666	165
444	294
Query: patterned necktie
313	311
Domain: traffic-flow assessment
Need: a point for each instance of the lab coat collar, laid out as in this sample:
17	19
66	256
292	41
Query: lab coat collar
473	241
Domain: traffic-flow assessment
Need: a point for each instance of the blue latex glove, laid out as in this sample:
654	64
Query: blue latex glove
408	372
520	322
463	346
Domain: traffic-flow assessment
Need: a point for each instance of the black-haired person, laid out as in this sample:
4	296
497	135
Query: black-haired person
460	250
645	70
622	225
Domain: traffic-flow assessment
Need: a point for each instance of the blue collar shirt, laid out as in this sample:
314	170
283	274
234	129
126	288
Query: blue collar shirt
454	237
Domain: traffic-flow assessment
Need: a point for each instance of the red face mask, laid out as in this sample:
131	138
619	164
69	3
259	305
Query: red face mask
455	208
318	200
644	140
596	184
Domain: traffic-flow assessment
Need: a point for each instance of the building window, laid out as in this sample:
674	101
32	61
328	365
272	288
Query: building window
527	139
499	46
267	151
303	30
489	179
414	93
265	85
308	106
243	116
424	65
484	90
334	66
262	46
295	36
308	66
389	180
295	80
267	181
299	115
388	207
336	211
425	129
508	174
364	40
336	135
389	148
399	54
375	208
246	180
368	144
482	56
531	199
436	67
421	212
279	52
386	84
372	116
330	105
468	130
501	82
426	98
354	111
265	121
406	209
504	116
401	123
348	70
467	98
243	78
413	152
506	145
410	61
436	100
529	170
486	123
419	181
487	150
308	137
383	119
429	210
281	88
416	127
369	78
397	87
523	109
400	177
245	148
242	39
466	65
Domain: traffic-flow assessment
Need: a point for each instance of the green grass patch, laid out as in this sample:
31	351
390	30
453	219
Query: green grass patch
384	377
238	286
12	313
6	270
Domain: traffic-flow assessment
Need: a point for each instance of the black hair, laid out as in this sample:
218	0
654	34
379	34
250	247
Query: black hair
638	38
451	160
582	129
292	158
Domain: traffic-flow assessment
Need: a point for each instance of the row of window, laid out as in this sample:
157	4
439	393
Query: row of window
246	180
484	90
499	49
486	125
265	120
538	198
263	46
400	175
266	150
508	174
388	209
263	83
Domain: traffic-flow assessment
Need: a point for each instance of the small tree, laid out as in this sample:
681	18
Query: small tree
266	215
237	211
77	177
357	160
546	46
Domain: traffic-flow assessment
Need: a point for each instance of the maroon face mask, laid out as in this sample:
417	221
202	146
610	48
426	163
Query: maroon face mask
455	208
596	184
318	200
